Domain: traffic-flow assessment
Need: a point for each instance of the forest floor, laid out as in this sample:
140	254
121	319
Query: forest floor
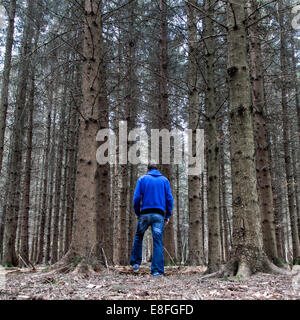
120	283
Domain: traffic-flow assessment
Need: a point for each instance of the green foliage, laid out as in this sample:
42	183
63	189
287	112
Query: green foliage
45	269
235	278
77	261
8	265
225	278
296	261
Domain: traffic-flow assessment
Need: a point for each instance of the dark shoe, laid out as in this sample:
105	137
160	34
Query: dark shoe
135	268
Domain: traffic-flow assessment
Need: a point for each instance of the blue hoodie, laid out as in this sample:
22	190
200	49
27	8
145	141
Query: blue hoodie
153	191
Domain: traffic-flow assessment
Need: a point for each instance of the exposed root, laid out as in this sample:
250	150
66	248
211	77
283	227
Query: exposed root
83	267
273	269
217	274
72	262
245	270
212	269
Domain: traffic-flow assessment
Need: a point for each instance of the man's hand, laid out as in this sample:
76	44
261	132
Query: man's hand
166	221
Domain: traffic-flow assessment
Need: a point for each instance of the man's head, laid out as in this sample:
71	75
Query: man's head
152	165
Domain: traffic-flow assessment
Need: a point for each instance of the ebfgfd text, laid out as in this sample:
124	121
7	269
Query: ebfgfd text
183	147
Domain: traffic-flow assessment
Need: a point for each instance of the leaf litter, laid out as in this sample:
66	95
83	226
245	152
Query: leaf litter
120	283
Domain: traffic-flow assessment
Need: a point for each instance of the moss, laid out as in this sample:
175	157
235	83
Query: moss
238	277
278	262
296	261
45	269
8	265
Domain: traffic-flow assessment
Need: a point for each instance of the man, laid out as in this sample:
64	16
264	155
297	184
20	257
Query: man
153	204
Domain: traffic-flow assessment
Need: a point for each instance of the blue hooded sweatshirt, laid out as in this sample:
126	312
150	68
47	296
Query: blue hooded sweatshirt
153	191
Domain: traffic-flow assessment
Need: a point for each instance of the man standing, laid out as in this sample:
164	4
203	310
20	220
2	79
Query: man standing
153	204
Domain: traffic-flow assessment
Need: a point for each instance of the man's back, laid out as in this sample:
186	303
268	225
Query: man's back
153	190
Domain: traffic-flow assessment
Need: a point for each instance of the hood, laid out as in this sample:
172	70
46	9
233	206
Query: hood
154	173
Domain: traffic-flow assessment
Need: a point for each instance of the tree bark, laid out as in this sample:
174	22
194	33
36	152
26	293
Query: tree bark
286	138
24	246
194	183
72	168
91	209
58	182
179	219
212	148
43	210
2	223
297	102
15	166
128	113
169	240
6	75
50	204
247	254
260	135
132	218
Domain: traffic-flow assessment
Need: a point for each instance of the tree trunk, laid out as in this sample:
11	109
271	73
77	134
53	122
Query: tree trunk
91	209
223	195
128	112
286	138
36	220
260	135
247	254
179	219
58	182
116	173
169	240
194	189
6	75
277	198
15	166
132	218
297	102
50	205
2	223
71	167
44	191
24	247
212	148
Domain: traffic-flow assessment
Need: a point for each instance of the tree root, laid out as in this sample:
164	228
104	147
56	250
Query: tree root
243	269
85	268
273	269
71	262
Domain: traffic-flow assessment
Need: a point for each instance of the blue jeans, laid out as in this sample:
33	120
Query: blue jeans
157	224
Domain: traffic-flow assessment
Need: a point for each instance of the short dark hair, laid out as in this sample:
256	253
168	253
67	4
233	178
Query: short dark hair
152	165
